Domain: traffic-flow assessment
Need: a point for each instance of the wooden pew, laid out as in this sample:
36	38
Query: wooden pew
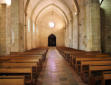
3	60
35	67
24	58
82	55
27	64
37	61
95	72
12	80
27	72
25	53
20	56
93	61
43	56
84	66
79	59
106	76
18	69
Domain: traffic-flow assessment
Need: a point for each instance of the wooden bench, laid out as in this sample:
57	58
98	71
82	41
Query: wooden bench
91	63
43	56
21	66
106	76
12	80
27	64
84	66
87	63
27	72
36	67
79	59
96	71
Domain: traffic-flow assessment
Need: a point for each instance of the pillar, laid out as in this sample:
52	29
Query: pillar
4	29
17	26
75	32
93	25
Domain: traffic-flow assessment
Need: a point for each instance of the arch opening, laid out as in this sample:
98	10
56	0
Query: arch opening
52	40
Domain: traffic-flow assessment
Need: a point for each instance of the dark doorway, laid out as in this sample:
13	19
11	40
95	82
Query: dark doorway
52	40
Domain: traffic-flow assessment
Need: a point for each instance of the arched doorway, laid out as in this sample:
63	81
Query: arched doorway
52	40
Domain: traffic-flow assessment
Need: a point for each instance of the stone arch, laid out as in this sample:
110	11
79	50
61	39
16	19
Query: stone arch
26	6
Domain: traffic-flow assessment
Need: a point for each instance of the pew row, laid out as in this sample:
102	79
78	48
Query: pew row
91	66
26	64
12	80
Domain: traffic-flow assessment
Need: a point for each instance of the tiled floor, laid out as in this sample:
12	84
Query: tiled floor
56	71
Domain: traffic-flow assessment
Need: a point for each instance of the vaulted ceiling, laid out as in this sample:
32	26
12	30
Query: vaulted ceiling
65	8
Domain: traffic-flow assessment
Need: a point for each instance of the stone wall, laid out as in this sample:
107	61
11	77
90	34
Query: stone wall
88	28
106	25
12	27
45	31
82	31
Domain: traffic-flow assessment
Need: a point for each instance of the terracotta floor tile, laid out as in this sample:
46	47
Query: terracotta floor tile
56	71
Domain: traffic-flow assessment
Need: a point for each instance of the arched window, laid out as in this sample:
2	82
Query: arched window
33	27
28	25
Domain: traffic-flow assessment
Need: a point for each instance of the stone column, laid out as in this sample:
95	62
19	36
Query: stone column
21	26
70	34
75	32
93	25
25	34
17	26
14	26
66	36
8	29
4	30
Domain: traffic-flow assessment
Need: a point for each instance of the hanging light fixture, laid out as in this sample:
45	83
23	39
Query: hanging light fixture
51	23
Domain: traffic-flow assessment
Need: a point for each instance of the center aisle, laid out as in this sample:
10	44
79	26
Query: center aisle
56	71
